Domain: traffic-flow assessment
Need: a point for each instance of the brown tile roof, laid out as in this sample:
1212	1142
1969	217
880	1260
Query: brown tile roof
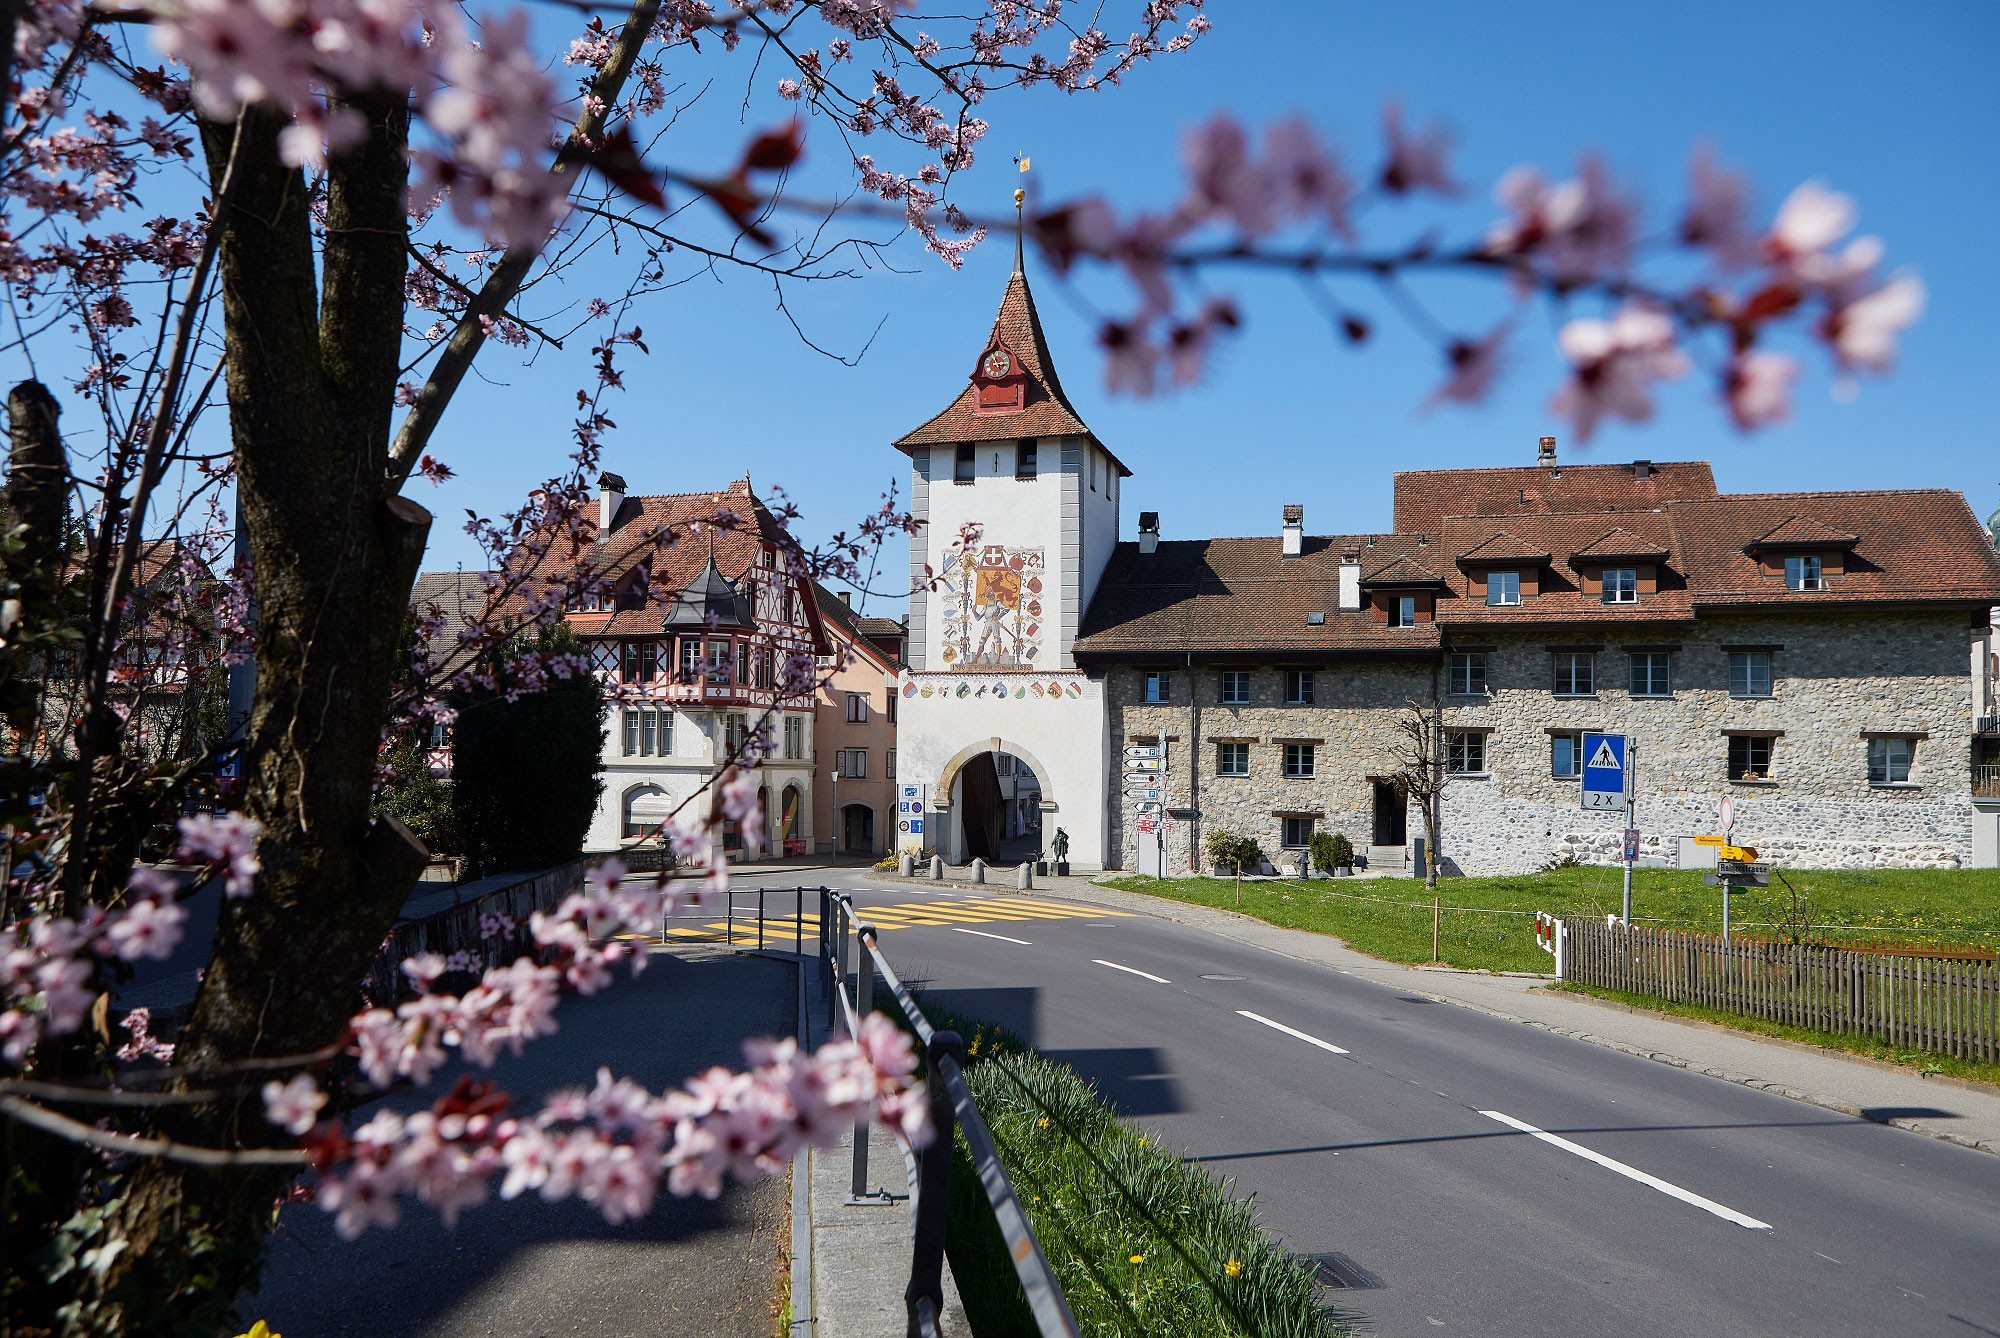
840	620
1803	532
459	596
1401	570
1424	498
1046	412
1911	545
1240	596
1561	598
1622	543
1504	547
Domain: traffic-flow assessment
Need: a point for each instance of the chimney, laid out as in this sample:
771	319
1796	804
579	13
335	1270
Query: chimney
610	496
1547	454
1642	469
1350	579
1149	531
1295	528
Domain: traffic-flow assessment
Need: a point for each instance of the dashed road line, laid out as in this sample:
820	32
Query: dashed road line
1327	1046
1630	1172
1133	970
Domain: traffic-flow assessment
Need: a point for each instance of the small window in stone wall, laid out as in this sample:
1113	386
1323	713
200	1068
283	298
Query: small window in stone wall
1566	756
1465	753
1159	687
1575	674
1298	687
1232	759
1889	761
1750	757
1235	687
1298	832
1298	760
1468	675
1750	673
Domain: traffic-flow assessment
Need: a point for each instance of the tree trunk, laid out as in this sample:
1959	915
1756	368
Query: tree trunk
311	381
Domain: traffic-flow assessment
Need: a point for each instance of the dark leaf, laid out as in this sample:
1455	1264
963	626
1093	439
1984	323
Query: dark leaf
616	158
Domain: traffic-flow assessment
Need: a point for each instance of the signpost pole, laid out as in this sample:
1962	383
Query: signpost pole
1725	908
1631	767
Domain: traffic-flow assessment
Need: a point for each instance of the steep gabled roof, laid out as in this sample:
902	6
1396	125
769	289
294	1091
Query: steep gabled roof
1620	543
1403	570
842	622
1504	547
1802	532
1046	410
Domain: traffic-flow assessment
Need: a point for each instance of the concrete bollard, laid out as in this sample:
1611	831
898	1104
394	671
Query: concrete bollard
937	868
979	871
906	864
1024	877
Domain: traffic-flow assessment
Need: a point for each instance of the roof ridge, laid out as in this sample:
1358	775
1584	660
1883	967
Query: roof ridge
1655	465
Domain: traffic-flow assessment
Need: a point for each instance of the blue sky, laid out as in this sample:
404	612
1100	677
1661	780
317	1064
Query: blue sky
1894	104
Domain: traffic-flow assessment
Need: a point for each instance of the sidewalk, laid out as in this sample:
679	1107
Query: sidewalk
1938	1107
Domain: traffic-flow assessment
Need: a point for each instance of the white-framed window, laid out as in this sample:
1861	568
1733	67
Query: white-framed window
1575	673
1465	752
1235	687
646	732
735	729
889	764
1566	756
690	658
1503	588
1467	674
718	661
1232	759
795	738
1159	685
853	763
1405	614
629	732
1298	832
1749	673
857	708
1650	673
1298	761
1889	760
1805	571
1621	585
1750	757
1298	687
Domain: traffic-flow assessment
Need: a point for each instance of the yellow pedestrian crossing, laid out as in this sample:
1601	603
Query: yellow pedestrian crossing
910	915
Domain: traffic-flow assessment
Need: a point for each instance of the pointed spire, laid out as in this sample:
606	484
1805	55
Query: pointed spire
1020	196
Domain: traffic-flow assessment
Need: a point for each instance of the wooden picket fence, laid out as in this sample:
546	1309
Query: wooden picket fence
1947	1001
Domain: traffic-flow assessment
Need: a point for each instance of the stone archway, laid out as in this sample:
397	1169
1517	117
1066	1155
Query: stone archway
981	785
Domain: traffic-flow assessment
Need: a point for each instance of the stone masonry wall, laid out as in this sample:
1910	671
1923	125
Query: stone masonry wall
1349	726
1832	681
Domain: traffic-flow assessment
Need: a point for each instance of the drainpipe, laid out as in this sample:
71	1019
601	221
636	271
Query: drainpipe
1194	768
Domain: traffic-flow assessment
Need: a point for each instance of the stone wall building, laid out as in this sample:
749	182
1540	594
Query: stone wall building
1814	656
1804	653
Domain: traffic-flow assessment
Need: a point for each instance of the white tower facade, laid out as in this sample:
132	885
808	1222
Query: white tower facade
1020	508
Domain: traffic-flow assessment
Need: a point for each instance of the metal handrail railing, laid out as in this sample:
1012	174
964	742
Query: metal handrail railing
951	1106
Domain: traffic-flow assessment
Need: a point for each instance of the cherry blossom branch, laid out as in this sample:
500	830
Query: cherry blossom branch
48	1121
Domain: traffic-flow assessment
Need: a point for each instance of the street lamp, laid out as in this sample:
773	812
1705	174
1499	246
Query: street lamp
835	808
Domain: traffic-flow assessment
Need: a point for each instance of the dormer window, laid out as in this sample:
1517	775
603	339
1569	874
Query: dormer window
1621	585
1805	571
999	382
1503	588
1405	612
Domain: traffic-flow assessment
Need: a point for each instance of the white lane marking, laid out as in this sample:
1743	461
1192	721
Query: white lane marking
1328	1046
983	934
1133	970
1631	1172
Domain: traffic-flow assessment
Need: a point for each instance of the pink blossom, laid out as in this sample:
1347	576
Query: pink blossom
227	839
1416	158
1579	228
147	928
1614	364
1474	365
293	1106
1717	212
1223	178
362	1197
1810	221
1864	330
1130	361
1306	175
1758	386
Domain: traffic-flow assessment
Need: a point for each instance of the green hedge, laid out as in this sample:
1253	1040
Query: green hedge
1100	1192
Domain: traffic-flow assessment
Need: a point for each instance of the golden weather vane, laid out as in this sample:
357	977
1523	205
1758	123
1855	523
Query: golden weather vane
1021	163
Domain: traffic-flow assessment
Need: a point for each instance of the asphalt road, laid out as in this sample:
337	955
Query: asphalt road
1385	1133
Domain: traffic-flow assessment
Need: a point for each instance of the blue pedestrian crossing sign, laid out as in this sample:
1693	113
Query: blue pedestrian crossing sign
1606	778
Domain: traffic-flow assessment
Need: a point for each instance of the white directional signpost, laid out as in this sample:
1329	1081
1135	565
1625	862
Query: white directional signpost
1146	792
1609	762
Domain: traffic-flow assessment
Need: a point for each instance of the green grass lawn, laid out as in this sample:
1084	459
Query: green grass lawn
1374	915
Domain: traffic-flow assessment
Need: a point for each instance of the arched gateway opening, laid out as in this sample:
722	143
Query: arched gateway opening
995	800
